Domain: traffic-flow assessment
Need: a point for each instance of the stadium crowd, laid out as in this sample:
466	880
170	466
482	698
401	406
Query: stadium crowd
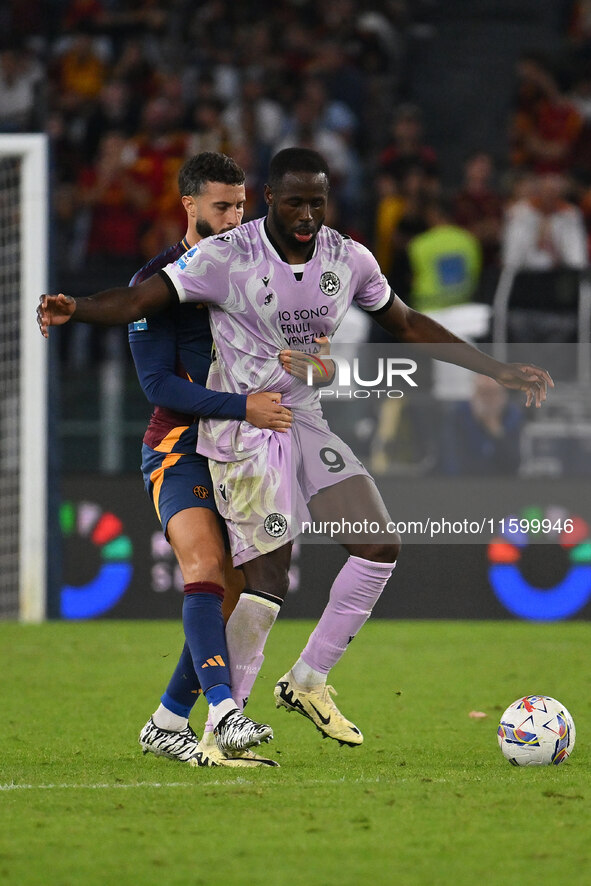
128	89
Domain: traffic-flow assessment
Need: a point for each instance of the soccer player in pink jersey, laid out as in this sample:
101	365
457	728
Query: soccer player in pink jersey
260	280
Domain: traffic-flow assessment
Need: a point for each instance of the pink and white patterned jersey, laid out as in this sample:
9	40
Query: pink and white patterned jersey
259	305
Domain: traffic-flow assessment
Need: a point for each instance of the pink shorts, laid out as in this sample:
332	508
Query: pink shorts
263	498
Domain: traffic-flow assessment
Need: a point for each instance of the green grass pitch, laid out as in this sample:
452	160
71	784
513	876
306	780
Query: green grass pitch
428	799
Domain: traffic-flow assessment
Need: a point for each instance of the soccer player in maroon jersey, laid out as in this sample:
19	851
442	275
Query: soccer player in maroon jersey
172	355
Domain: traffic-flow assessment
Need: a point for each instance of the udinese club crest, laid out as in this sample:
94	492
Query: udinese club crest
330	283
275	525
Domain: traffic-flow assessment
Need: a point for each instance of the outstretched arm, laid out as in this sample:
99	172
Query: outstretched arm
411	327
111	307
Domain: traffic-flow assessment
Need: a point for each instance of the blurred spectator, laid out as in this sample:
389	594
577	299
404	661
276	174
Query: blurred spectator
378	39
253	116
305	129
81	71
341	78
543	231
171	90
21	78
400	216
478	207
445	262
105	217
155	156
417	190
259	55
114	110
297	50
136	70
545	125
545	241
377	45
208	131
390	208
332	114
226	74
481	436
407	150
116	204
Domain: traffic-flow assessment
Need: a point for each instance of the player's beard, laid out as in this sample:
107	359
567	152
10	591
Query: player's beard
204	229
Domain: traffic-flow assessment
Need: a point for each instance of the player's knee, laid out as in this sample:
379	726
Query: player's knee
276	583
203	566
270	572
272	580
380	552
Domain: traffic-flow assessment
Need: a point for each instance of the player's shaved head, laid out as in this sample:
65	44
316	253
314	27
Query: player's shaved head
209	166
294	161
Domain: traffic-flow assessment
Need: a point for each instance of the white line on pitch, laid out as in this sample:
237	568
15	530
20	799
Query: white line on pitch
170	784
100	787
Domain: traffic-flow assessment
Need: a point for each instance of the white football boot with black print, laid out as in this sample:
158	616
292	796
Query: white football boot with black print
164	743
235	732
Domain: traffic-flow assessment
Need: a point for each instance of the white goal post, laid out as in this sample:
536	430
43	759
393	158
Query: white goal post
24	210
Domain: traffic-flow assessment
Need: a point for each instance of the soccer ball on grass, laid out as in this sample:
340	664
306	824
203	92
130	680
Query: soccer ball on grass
536	731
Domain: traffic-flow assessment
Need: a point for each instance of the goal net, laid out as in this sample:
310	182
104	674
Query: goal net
23	353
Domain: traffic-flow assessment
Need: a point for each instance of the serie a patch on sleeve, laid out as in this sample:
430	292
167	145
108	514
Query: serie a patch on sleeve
139	325
184	259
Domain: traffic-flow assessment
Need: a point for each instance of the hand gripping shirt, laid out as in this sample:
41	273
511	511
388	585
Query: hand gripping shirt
260	304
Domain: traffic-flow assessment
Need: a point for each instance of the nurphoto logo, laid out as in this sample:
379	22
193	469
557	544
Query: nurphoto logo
346	382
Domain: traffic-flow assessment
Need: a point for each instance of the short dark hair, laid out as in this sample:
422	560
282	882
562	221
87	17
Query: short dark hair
296	160
209	166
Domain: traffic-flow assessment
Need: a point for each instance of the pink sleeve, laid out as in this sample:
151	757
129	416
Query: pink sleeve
373	290
201	274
